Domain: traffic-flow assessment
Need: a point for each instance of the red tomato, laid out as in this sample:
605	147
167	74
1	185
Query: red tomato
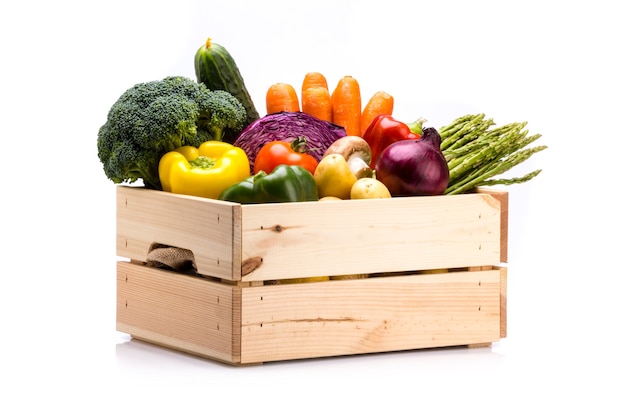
276	153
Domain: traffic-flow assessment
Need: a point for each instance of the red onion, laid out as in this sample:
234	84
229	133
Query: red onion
414	167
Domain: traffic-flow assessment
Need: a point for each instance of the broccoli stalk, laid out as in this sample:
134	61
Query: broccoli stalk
155	117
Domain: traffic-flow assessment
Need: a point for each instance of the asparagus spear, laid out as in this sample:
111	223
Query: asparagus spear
477	153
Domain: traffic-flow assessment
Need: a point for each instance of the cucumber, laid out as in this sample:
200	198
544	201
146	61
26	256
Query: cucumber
216	69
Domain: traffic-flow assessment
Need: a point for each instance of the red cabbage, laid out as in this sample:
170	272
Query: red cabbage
286	126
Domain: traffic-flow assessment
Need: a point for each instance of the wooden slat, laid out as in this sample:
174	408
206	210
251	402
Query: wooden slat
503	302
503	199
370	315
177	311
206	227
296	240
371	236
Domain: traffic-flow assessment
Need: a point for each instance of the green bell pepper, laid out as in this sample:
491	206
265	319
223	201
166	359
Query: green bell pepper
286	183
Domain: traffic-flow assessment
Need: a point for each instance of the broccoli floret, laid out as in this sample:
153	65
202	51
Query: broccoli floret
225	117
155	117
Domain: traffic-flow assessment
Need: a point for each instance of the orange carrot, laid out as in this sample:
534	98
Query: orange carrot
316	102
316	96
346	102
281	97
314	79
380	103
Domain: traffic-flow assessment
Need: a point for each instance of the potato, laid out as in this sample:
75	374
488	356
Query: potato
369	188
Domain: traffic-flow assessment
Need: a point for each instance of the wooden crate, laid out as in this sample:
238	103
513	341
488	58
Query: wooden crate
435	268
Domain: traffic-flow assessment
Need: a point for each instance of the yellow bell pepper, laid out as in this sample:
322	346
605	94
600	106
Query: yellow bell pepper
204	171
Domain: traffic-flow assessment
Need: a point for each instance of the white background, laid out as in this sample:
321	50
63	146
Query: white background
558	65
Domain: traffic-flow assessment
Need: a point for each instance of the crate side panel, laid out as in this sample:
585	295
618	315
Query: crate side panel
503	199
503	302
333	318
371	236
174	310
206	227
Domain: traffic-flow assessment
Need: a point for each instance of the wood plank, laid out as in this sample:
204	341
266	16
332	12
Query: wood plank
370	315
177	311
503	302
205	227
503	198
261	242
371	236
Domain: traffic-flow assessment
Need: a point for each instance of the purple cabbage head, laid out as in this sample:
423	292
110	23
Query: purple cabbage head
286	126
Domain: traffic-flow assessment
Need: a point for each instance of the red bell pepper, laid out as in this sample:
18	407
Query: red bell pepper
385	130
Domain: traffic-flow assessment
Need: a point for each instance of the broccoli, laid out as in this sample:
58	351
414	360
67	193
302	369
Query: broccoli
155	117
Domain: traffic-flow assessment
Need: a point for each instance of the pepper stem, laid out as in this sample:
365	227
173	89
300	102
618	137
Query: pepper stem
203	162
417	126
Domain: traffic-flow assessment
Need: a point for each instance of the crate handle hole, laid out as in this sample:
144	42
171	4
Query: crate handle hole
171	257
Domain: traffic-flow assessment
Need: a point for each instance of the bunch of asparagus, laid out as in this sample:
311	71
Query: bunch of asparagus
477	152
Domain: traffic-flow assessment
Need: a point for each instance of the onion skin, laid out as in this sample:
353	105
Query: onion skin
414	167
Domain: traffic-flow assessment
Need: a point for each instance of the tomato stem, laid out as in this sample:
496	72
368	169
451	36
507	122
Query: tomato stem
299	144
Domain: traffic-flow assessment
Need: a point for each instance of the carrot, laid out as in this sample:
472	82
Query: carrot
281	97
346	102
316	96
316	102
314	79
380	103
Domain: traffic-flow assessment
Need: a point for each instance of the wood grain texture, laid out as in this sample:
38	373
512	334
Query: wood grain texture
371	236
434	266
371	315
297	240
503	199
208	228
178	311
241	324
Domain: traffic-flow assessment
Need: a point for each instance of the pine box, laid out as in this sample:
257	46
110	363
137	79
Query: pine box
404	273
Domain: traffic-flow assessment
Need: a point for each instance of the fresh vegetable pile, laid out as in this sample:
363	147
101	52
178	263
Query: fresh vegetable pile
206	138
152	118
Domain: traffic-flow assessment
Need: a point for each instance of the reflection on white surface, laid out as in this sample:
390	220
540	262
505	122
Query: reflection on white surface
512	375
141	356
